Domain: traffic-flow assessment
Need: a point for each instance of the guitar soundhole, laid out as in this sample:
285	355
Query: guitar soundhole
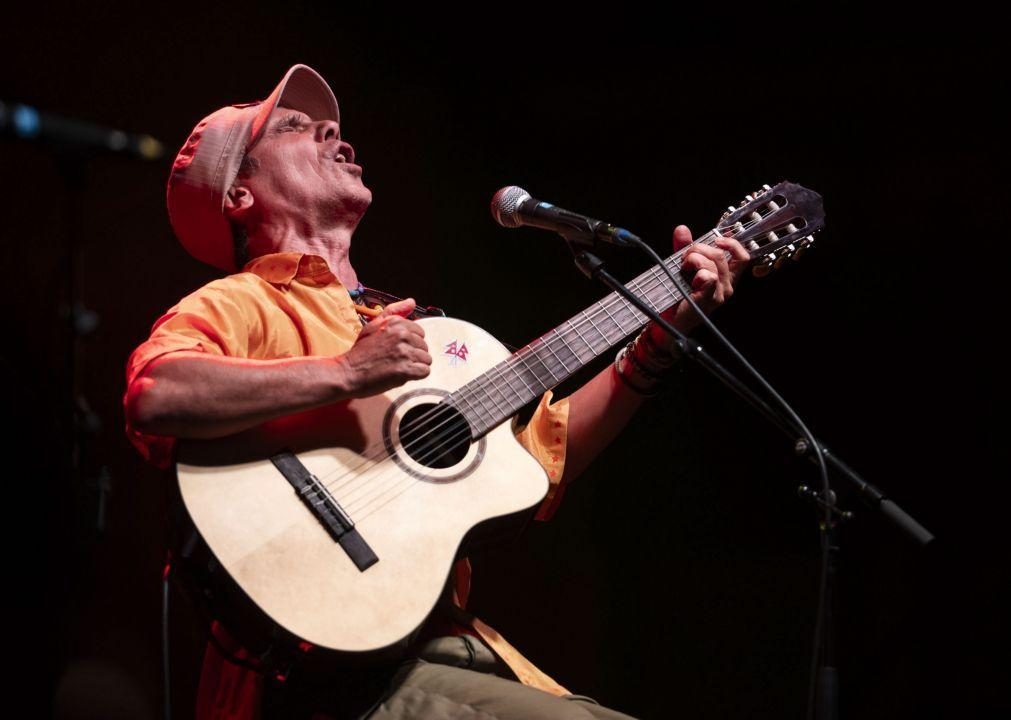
436	436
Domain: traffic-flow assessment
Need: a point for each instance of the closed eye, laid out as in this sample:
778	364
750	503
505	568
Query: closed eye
293	122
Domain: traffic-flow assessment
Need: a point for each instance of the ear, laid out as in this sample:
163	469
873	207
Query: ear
238	201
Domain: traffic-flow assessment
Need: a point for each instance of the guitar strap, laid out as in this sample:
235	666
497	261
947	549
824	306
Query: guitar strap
528	673
377	300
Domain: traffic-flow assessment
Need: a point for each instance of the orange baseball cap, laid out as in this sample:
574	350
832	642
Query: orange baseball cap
209	160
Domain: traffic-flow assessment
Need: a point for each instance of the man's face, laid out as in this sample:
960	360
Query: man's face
306	171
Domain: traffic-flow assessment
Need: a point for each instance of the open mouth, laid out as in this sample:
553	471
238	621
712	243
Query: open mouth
345	155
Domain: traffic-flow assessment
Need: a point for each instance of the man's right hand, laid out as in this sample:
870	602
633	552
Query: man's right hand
389	351
191	394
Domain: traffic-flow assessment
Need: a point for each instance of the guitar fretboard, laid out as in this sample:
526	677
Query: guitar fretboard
498	394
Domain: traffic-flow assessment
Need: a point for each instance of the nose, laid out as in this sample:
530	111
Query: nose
328	130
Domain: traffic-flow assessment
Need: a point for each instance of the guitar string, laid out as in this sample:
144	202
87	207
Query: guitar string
402	483
453	436
436	445
457	433
409	431
410	434
441	447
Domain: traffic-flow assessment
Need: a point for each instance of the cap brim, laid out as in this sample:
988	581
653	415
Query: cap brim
302	89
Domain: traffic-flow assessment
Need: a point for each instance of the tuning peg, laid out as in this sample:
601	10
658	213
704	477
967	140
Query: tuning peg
786	254
766	188
764	266
803	246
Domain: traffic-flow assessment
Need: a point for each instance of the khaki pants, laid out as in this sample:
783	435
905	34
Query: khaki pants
452	678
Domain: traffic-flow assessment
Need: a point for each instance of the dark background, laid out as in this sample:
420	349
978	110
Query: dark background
679	577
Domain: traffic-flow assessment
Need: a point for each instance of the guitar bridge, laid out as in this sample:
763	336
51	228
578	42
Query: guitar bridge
325	509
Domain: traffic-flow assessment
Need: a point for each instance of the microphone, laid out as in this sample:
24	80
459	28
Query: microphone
26	122
512	207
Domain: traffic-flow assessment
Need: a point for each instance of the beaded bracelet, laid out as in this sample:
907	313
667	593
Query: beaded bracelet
622	363
635	357
662	357
644	358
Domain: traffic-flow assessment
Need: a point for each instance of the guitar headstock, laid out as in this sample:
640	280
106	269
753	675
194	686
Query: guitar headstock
775	224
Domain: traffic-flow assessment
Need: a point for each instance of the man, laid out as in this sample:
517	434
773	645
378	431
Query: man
272	189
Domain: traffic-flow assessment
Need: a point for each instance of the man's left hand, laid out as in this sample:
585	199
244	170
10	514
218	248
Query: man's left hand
714	278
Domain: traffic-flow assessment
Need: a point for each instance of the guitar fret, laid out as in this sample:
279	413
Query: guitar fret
603	337
646	297
568	371
575	329
537	355
658	293
542	364
576	359
518	357
460	399
634	287
496	396
547	345
616	323
514	400
509	371
669	295
480	396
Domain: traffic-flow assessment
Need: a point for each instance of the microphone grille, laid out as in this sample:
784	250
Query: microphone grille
505	205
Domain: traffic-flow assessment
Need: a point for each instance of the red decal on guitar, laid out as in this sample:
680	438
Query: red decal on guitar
456	352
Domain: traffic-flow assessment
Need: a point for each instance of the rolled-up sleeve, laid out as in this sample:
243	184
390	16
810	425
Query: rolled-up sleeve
545	436
212	320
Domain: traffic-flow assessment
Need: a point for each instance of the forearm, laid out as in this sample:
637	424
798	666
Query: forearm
602	407
195	395
597	413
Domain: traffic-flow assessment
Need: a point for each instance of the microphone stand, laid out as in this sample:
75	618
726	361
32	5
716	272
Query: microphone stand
826	704
593	267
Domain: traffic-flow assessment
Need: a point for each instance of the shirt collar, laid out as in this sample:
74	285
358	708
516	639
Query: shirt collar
281	268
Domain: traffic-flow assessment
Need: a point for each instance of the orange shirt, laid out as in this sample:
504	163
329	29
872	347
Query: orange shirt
291	305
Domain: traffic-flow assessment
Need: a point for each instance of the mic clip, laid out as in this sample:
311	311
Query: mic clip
590	236
818	498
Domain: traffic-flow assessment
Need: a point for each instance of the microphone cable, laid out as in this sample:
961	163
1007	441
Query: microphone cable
798	424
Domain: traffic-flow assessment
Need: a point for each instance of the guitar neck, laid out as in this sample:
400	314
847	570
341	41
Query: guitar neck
498	394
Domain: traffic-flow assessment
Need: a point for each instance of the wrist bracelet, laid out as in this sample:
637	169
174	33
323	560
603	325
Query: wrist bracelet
663	356
644	359
622	365
653	373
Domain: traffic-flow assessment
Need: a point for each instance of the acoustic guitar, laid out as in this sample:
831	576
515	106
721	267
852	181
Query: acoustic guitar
341	524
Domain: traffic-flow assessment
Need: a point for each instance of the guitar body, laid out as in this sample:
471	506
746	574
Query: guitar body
413	516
